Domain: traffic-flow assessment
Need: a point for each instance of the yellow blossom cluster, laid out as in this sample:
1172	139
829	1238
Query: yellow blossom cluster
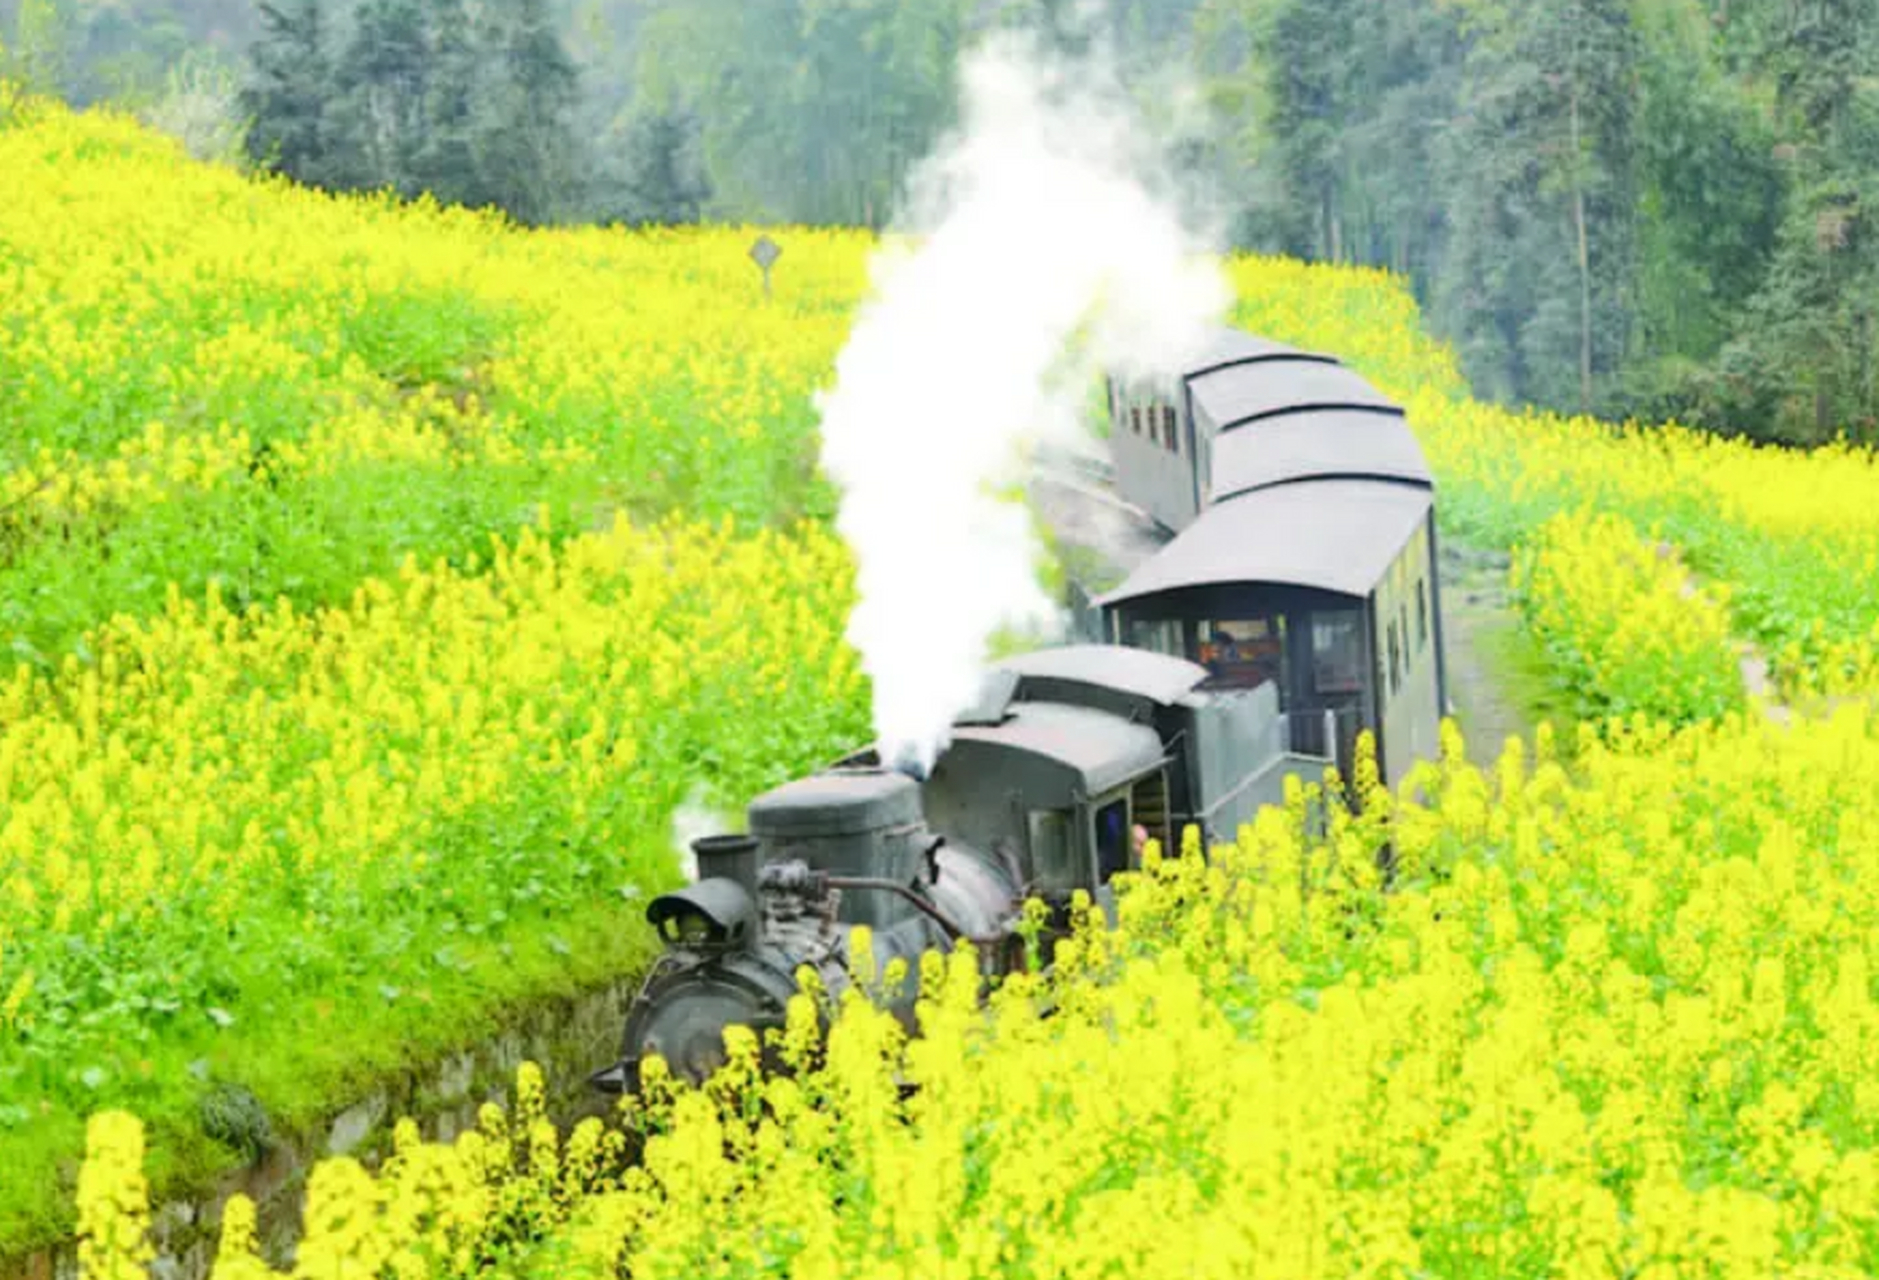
113	1202
1623	623
1365	317
1794	535
148	773
1617	1022
143	286
429	1210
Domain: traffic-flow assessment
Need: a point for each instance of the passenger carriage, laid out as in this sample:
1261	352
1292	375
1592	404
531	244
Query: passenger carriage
1303	547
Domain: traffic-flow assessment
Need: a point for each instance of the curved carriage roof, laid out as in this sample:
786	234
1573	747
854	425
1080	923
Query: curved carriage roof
1336	535
1230	346
1245	393
1094	749
1161	678
1314	444
1315	478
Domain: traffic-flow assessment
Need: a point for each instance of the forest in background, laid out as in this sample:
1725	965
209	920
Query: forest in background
1648	208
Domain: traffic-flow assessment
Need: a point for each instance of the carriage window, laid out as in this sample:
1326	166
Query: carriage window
1337	653
1402	629
1422	614
1051	861
1159	637
1168	424
1396	678
1242	653
1135	418
1112	839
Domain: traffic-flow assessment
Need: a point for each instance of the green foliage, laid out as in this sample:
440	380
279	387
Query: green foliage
1709	149
1800	360
812	112
234	1117
40	54
661	178
421	96
287	89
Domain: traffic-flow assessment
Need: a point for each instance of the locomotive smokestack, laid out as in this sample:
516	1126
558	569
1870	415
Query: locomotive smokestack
733	857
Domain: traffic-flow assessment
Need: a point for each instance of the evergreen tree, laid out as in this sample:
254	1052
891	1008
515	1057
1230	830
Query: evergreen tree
813	111
383	85
1710	194
1308	49
39	55
1408	66
286	94
1542	200
1801	364
528	143
663	180
445	161
1338	108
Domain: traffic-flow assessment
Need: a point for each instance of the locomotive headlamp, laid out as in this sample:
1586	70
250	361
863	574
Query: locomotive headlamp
712	915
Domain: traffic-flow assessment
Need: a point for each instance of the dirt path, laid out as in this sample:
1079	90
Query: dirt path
1499	686
1754	667
1499	681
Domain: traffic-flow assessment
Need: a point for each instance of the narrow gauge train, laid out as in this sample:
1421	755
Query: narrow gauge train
1270	629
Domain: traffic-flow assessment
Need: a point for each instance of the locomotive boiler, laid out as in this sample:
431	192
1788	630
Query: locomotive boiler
846	847
1040	793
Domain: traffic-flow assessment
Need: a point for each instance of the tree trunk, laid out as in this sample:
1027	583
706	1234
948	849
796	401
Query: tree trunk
1585	258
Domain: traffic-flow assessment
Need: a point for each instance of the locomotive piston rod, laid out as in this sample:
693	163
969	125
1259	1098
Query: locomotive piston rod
821	880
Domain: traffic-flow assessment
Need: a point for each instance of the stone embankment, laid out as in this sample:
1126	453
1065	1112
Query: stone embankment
567	1038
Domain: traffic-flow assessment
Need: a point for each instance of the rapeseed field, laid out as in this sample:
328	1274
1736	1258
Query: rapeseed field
375	582
378	580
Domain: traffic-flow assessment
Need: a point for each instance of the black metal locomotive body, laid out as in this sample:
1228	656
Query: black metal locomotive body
1039	794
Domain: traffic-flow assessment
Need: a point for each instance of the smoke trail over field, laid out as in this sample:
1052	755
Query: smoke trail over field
1038	256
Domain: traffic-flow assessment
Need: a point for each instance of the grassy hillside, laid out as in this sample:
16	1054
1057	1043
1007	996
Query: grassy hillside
374	584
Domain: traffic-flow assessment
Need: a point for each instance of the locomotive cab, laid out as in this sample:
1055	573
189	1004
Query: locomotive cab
1070	749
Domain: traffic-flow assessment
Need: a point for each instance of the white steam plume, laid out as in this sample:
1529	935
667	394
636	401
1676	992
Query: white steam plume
694	820
1038	257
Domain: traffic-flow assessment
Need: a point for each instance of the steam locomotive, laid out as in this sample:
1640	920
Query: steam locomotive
1271	628
1040	793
